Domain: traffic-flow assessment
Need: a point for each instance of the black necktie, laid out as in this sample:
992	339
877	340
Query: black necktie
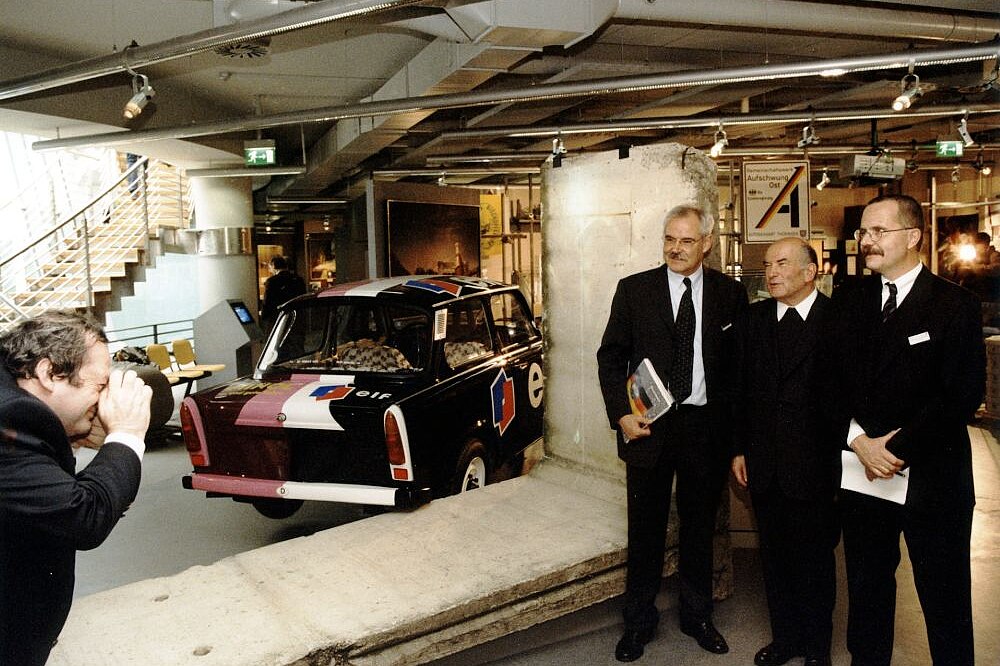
890	303
683	365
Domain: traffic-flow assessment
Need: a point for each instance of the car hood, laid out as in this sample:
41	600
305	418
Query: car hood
300	400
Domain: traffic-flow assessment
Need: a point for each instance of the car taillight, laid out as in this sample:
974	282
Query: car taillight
394	441
397	445
192	431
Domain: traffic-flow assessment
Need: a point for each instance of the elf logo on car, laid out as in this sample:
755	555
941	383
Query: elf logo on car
502	395
536	385
336	392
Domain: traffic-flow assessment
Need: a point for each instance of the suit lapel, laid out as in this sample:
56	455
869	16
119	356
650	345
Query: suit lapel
666	312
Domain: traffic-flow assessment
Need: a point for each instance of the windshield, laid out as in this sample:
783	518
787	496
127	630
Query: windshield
349	335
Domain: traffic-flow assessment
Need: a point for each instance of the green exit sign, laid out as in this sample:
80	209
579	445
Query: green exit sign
949	148
258	153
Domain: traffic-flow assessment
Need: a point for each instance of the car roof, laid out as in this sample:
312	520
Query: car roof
426	290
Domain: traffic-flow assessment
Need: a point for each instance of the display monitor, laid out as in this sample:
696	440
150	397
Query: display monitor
242	313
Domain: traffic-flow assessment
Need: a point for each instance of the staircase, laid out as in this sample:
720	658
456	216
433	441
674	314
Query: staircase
90	260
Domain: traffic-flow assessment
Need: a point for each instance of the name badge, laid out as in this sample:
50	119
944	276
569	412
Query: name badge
919	337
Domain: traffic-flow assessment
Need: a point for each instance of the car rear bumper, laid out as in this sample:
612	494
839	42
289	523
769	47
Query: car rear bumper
221	484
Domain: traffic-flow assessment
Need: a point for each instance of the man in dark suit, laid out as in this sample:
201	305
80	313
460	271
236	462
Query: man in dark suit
55	380
916	376
281	287
686	319
786	457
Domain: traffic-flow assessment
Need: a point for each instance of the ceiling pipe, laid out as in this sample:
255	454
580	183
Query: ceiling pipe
832	67
134	57
817	18
645	124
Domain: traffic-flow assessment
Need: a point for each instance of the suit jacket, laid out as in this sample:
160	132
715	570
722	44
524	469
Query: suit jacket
641	325
785	432
47	513
922	371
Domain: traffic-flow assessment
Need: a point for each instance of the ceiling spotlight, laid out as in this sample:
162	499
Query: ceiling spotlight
720	142
955	177
823	181
558	150
141	94
441	181
963	131
809	137
910	92
981	166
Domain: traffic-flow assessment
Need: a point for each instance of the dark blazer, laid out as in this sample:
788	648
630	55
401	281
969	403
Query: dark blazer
47	513
785	431
641	325
922	371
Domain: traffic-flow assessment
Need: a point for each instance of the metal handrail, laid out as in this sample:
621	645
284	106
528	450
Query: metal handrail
108	190
154	331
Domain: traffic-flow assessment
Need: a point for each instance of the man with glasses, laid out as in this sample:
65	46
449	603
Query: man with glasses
913	373
686	319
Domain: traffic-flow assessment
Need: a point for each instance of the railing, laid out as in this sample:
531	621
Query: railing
158	333
66	266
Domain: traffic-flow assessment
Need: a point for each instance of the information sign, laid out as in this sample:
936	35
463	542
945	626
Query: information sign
950	148
775	200
258	153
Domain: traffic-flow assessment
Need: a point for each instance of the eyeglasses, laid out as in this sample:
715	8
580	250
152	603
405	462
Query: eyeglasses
876	233
670	241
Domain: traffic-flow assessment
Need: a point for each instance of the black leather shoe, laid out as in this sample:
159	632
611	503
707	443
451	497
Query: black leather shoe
774	654
812	660
632	643
707	635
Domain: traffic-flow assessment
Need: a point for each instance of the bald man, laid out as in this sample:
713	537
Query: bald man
785	455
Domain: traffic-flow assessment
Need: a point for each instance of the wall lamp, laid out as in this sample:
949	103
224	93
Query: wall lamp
721	141
824	180
910	92
141	94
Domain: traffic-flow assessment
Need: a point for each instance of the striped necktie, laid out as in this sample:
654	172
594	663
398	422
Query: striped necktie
890	303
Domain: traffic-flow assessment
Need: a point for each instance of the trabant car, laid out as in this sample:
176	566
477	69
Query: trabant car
388	393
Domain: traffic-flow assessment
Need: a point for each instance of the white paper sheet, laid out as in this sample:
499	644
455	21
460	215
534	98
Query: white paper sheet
853	478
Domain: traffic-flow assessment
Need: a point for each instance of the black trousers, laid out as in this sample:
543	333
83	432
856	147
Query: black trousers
700	466
797	542
938	544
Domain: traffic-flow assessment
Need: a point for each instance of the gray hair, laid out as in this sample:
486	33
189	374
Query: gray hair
706	225
62	336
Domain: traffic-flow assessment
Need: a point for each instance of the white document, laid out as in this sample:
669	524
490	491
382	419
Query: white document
853	478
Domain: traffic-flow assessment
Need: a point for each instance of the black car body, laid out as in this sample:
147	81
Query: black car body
387	392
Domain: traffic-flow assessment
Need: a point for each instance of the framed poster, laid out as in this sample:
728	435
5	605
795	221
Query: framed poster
775	200
427	238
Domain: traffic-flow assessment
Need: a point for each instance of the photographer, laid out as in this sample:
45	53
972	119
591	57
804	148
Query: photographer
56	387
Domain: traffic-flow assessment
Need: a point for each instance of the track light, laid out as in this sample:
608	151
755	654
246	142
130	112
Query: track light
720	142
141	94
910	92
981	166
823	181
963	131
558	150
809	137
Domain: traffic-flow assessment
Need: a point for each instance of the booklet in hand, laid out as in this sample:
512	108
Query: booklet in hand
647	395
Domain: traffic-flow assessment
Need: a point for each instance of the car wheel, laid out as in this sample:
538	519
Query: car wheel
472	470
276	508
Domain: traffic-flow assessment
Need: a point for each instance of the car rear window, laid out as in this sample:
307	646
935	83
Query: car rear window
349	335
